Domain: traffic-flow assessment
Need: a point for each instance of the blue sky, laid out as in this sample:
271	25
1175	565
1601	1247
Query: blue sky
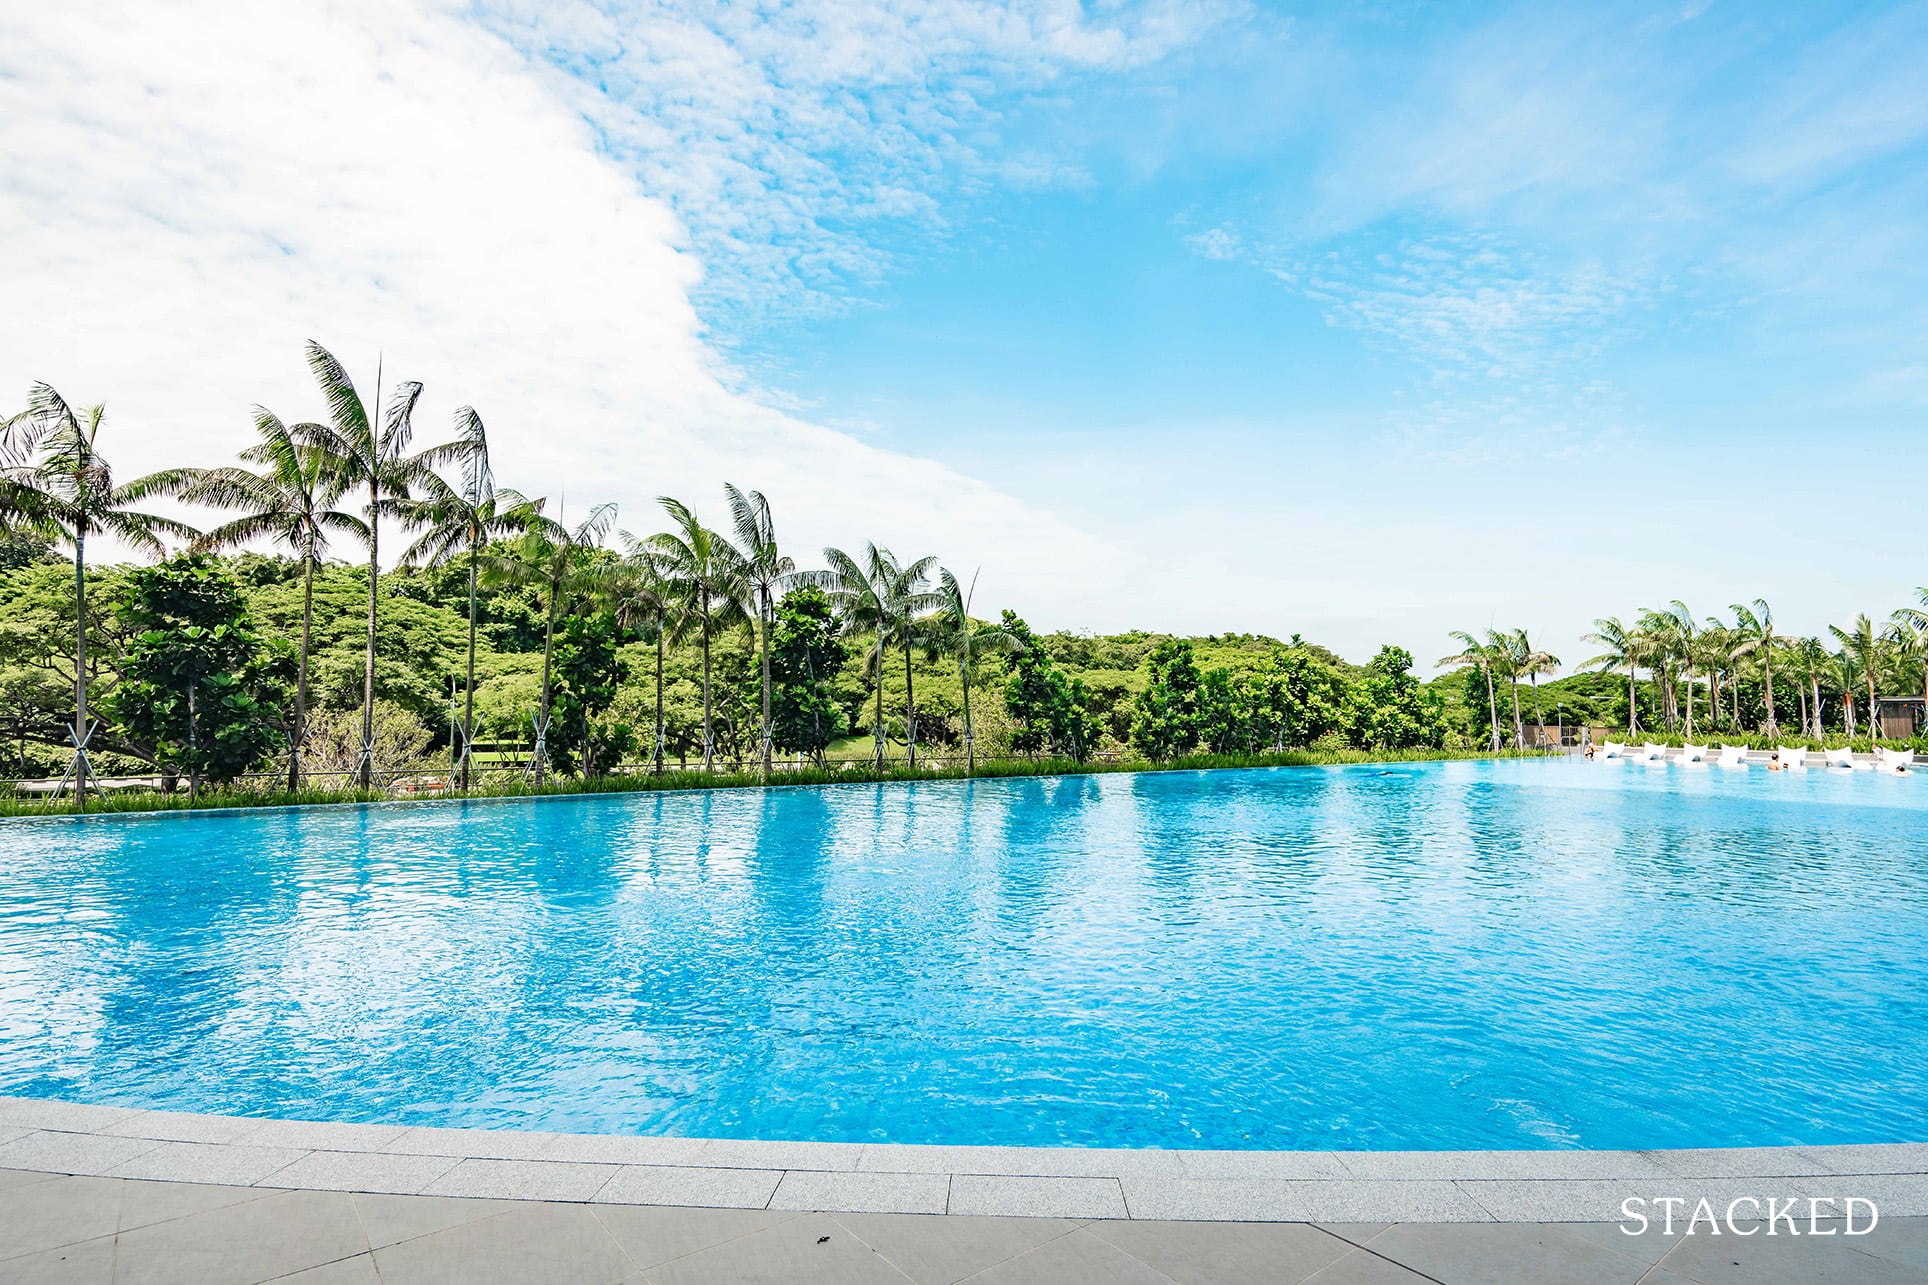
1366	321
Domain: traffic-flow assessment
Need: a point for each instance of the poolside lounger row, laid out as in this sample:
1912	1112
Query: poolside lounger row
1787	756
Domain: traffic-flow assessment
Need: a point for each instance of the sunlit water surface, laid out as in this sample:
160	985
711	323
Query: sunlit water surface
1513	954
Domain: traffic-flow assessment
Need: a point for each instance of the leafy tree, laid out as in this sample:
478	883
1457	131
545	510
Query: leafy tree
951	632
198	684
589	670
1166	721
1295	699
1049	711
55	485
1224	712
805	655
1391	709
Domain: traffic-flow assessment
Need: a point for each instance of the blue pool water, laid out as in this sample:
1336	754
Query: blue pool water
1512	954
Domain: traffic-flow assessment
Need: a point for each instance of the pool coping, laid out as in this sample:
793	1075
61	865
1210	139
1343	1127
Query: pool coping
56	1136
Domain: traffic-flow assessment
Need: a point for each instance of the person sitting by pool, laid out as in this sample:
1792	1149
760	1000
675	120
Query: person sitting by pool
1589	751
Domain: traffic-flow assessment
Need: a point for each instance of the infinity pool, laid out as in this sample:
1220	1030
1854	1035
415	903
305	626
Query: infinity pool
1456	955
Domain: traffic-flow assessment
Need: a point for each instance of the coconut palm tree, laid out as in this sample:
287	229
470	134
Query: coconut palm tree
952	632
1531	661
1862	650
288	500
762	574
1677	643
706	572
905	599
457	523
548	555
1810	661
363	453
1476	654
1754	636
860	594
1907	637
1621	648
56	484
643	599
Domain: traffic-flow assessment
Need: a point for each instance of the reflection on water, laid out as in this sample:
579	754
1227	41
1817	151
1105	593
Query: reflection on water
1519	954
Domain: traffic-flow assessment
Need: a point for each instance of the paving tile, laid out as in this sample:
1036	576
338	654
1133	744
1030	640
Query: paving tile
1899	1240
863	1193
206	1162
322	1135
1232	1253
1602	1200
179	1126
1899	1195
705	1188
361	1171
82	1153
1739	1162
70	1117
143	1203
1500	1164
521	1180
1356	1233
257	1240
810	1250
9	1132
1890	1157
1032	1197
1506	1252
731	1153
1649	1246
390	1219
359	1270
91	1262
1363	1267
533	1243
493	1144
932	1249
1261	1164
618	1149
1077	1258
652	1235
1057	1162
24	1177
1269	1201
65	1211
1783	1260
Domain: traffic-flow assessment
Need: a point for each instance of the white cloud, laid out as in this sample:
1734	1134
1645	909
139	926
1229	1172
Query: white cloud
188	192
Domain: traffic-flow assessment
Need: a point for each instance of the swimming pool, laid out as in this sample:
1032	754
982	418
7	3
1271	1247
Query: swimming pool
1540	953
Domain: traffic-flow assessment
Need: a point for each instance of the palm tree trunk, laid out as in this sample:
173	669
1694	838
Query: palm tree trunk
1772	725
1874	723
708	751
1519	727
365	770
1492	707
468	703
910	703
80	664
767	611
301	672
877	732
970	744
542	714
659	696
1633	708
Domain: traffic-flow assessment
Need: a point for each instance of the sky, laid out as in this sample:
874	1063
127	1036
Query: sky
1362	321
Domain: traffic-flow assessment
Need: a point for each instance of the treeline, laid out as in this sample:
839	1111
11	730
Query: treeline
1666	671
584	646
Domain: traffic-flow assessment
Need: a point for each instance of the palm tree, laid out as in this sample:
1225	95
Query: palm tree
1676	642
706	572
1509	652
644	600
55	483
1755	636
549	555
288	500
1810	660
953	633
1861	649
762	574
1908	638
905	598
458	523
1622	648
1532	662
1474	653
1716	649
363	453
860	594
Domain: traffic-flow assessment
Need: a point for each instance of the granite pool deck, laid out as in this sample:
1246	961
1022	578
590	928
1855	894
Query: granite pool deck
92	1193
